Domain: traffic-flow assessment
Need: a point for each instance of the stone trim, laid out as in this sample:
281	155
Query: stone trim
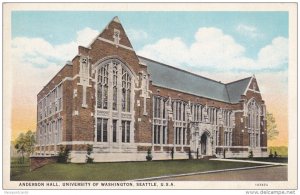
76	142
247	88
113	43
254	91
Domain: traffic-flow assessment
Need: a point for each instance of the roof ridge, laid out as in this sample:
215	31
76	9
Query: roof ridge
182	70
227	93
237	80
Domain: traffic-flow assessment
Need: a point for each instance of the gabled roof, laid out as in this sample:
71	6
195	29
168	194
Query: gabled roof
237	88
174	78
106	33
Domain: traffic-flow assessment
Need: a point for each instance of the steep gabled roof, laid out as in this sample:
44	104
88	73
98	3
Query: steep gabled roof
170	77
107	33
237	88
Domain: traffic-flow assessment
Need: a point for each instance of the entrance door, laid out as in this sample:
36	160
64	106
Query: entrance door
203	144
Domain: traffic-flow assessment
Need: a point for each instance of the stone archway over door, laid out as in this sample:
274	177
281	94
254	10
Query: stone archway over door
203	142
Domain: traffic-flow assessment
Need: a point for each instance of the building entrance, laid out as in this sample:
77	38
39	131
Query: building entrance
203	143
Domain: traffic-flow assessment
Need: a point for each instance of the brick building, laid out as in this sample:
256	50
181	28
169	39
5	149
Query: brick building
124	104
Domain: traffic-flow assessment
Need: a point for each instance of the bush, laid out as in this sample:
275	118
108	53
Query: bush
89	151
282	150
271	155
63	155
250	154
172	153
149	155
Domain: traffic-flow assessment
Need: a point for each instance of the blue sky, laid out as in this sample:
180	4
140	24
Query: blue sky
61	27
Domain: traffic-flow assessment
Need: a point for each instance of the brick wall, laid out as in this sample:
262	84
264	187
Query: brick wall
37	162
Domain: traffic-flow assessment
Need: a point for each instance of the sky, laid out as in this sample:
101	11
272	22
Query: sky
224	46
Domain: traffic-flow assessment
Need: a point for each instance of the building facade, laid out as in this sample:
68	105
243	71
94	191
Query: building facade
124	105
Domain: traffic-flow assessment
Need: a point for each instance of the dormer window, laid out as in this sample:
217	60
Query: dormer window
116	36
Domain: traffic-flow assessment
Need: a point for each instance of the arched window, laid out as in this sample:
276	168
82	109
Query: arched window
254	121
114	93
102	87
115	86
126	89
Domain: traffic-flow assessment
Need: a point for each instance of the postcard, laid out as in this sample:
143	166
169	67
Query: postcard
150	96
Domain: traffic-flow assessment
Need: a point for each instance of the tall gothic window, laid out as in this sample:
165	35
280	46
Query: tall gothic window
179	114
103	78
178	135
59	130
102	87
126	90
113	94
160	135
253	123
101	130
115	86
227	138
126	131
217	136
114	130
157	107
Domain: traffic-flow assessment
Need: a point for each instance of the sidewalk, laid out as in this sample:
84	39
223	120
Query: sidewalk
249	161
205	172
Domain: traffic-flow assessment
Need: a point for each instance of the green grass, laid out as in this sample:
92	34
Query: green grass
118	171
18	167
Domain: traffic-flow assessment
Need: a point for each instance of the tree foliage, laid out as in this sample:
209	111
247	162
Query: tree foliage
24	144
272	131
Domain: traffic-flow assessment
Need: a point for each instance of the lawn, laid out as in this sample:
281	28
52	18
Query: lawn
117	171
18	166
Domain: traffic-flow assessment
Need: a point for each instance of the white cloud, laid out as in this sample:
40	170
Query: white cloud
39	52
85	36
275	54
167	50
136	35
35	61
217	51
270	83
218	56
248	30
213	47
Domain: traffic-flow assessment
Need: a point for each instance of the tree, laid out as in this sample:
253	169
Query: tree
20	146
149	155
25	143
272	131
